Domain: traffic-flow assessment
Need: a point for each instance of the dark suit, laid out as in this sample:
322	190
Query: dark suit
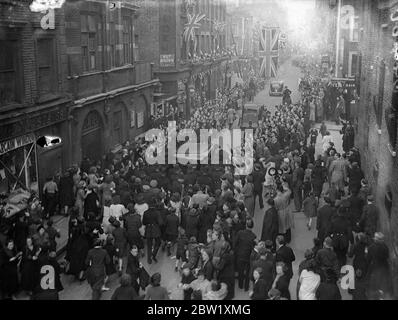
297	183
356	207
258	179
134	270
268	267
283	286
151	221
340	232
96	260
132	224
286	255
323	221
327	259
260	291
227	273
328	291
270	225
244	244
369	219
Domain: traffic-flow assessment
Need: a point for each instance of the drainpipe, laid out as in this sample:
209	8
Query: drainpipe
337	68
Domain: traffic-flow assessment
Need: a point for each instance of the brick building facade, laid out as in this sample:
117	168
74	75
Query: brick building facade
33	98
81	80
184	68
373	137
111	87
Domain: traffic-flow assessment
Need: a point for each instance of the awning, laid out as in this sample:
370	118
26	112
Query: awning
15	143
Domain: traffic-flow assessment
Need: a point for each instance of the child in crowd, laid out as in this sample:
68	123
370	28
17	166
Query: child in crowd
310	208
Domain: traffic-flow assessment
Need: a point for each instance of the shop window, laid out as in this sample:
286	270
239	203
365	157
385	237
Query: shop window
9	92
46	67
18	169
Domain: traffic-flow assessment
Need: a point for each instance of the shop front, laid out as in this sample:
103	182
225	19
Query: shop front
18	173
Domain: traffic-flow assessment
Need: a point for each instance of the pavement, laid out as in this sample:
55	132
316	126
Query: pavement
302	238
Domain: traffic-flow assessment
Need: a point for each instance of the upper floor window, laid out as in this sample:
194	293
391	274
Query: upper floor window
353	64
354	30
112	45
8	73
89	43
136	54
128	40
45	65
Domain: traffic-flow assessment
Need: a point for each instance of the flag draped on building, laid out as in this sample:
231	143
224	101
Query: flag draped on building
194	22
269	52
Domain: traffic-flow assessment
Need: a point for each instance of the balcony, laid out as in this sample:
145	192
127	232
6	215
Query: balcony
101	82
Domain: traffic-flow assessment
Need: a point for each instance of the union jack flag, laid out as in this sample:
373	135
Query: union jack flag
218	27
192	25
268	52
190	3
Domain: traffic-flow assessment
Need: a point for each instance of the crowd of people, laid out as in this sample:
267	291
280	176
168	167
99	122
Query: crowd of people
122	210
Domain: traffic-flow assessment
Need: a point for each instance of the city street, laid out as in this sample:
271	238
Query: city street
93	94
301	237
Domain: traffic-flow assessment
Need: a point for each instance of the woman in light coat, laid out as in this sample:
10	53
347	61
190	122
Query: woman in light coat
282	204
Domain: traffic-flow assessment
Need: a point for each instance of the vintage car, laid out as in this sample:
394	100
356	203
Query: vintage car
276	88
250	115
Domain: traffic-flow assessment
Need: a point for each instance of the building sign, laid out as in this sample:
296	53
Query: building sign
16	143
167	60
33	123
344	83
140	119
325	59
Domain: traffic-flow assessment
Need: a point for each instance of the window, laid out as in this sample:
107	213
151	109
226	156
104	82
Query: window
353	64
354	30
128	40
45	60
112	51
8	73
136	47
234	30
183	49
89	42
197	45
